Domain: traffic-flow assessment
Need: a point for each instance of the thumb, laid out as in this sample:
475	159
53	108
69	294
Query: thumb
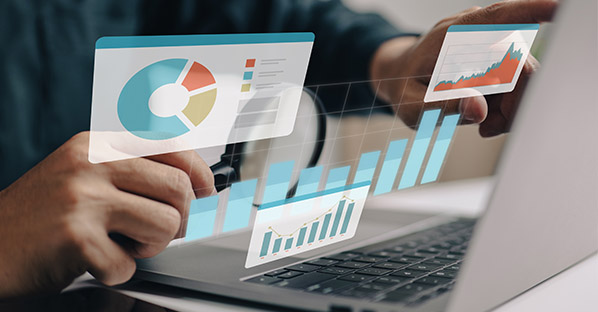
474	109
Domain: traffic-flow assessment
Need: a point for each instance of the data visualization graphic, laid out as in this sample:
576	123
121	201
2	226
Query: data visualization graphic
480	59
318	219
166	99
160	94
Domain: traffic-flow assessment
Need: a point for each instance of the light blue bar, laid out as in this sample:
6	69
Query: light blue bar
443	141
240	202
198	40
277	243
390	167
337	177
202	217
312	195
366	167
265	244
419	148
347	218
309	180
325	226
248	75
492	27
312	232
301	236
288	243
337	218
277	184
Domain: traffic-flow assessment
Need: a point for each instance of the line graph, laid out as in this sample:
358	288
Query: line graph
497	73
480	59
326	217
329	210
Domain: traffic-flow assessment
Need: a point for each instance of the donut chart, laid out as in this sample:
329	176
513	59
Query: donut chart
167	99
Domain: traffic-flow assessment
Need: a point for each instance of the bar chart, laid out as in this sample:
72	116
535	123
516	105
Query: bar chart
333	216
404	163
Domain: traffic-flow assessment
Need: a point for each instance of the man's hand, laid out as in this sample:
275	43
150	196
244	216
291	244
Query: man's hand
67	216
416	57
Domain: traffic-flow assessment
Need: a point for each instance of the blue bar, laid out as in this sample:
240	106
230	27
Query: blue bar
443	140
276	247
337	217
266	244
301	236
240	202
309	180
202	217
312	233
277	184
419	148
493	27
390	167
347	218
366	167
337	177
325	226
197	40
288	243
312	195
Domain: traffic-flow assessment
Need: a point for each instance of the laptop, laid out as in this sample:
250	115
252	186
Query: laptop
541	218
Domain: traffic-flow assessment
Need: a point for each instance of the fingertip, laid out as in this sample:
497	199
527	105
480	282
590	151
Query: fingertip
474	109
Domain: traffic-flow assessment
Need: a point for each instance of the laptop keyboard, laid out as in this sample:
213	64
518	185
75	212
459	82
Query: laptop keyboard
410	269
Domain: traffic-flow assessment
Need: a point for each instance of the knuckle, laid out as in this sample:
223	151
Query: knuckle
170	223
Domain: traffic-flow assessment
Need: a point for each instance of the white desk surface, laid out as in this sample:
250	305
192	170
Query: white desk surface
575	289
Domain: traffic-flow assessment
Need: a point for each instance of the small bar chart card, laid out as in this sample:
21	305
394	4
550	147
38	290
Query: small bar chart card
302	223
480	59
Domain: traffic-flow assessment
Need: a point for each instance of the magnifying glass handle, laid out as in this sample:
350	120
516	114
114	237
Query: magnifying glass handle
225	173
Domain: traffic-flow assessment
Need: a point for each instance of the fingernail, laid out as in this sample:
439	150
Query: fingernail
214	192
466	109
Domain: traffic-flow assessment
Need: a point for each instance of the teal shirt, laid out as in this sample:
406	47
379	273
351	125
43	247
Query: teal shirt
46	59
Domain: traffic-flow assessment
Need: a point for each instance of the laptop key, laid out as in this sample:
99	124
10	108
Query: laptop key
306	280
369	259
289	274
303	268
356	277
373	271
416	287
404	259
433	280
390	265
397	296
438	261
353	265
424	267
275	272
322	262
336	270
445	273
332	286
393	280
408	273
265	280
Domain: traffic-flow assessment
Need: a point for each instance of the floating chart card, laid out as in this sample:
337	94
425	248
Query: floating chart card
288	227
480	59
158	94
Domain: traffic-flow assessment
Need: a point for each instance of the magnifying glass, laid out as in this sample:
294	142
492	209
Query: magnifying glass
250	160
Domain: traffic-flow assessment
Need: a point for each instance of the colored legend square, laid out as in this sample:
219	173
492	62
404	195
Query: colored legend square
247	75
245	87
250	63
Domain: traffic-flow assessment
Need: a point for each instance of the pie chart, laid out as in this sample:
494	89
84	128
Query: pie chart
167	99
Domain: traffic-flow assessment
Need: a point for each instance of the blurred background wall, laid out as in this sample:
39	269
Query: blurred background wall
471	155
